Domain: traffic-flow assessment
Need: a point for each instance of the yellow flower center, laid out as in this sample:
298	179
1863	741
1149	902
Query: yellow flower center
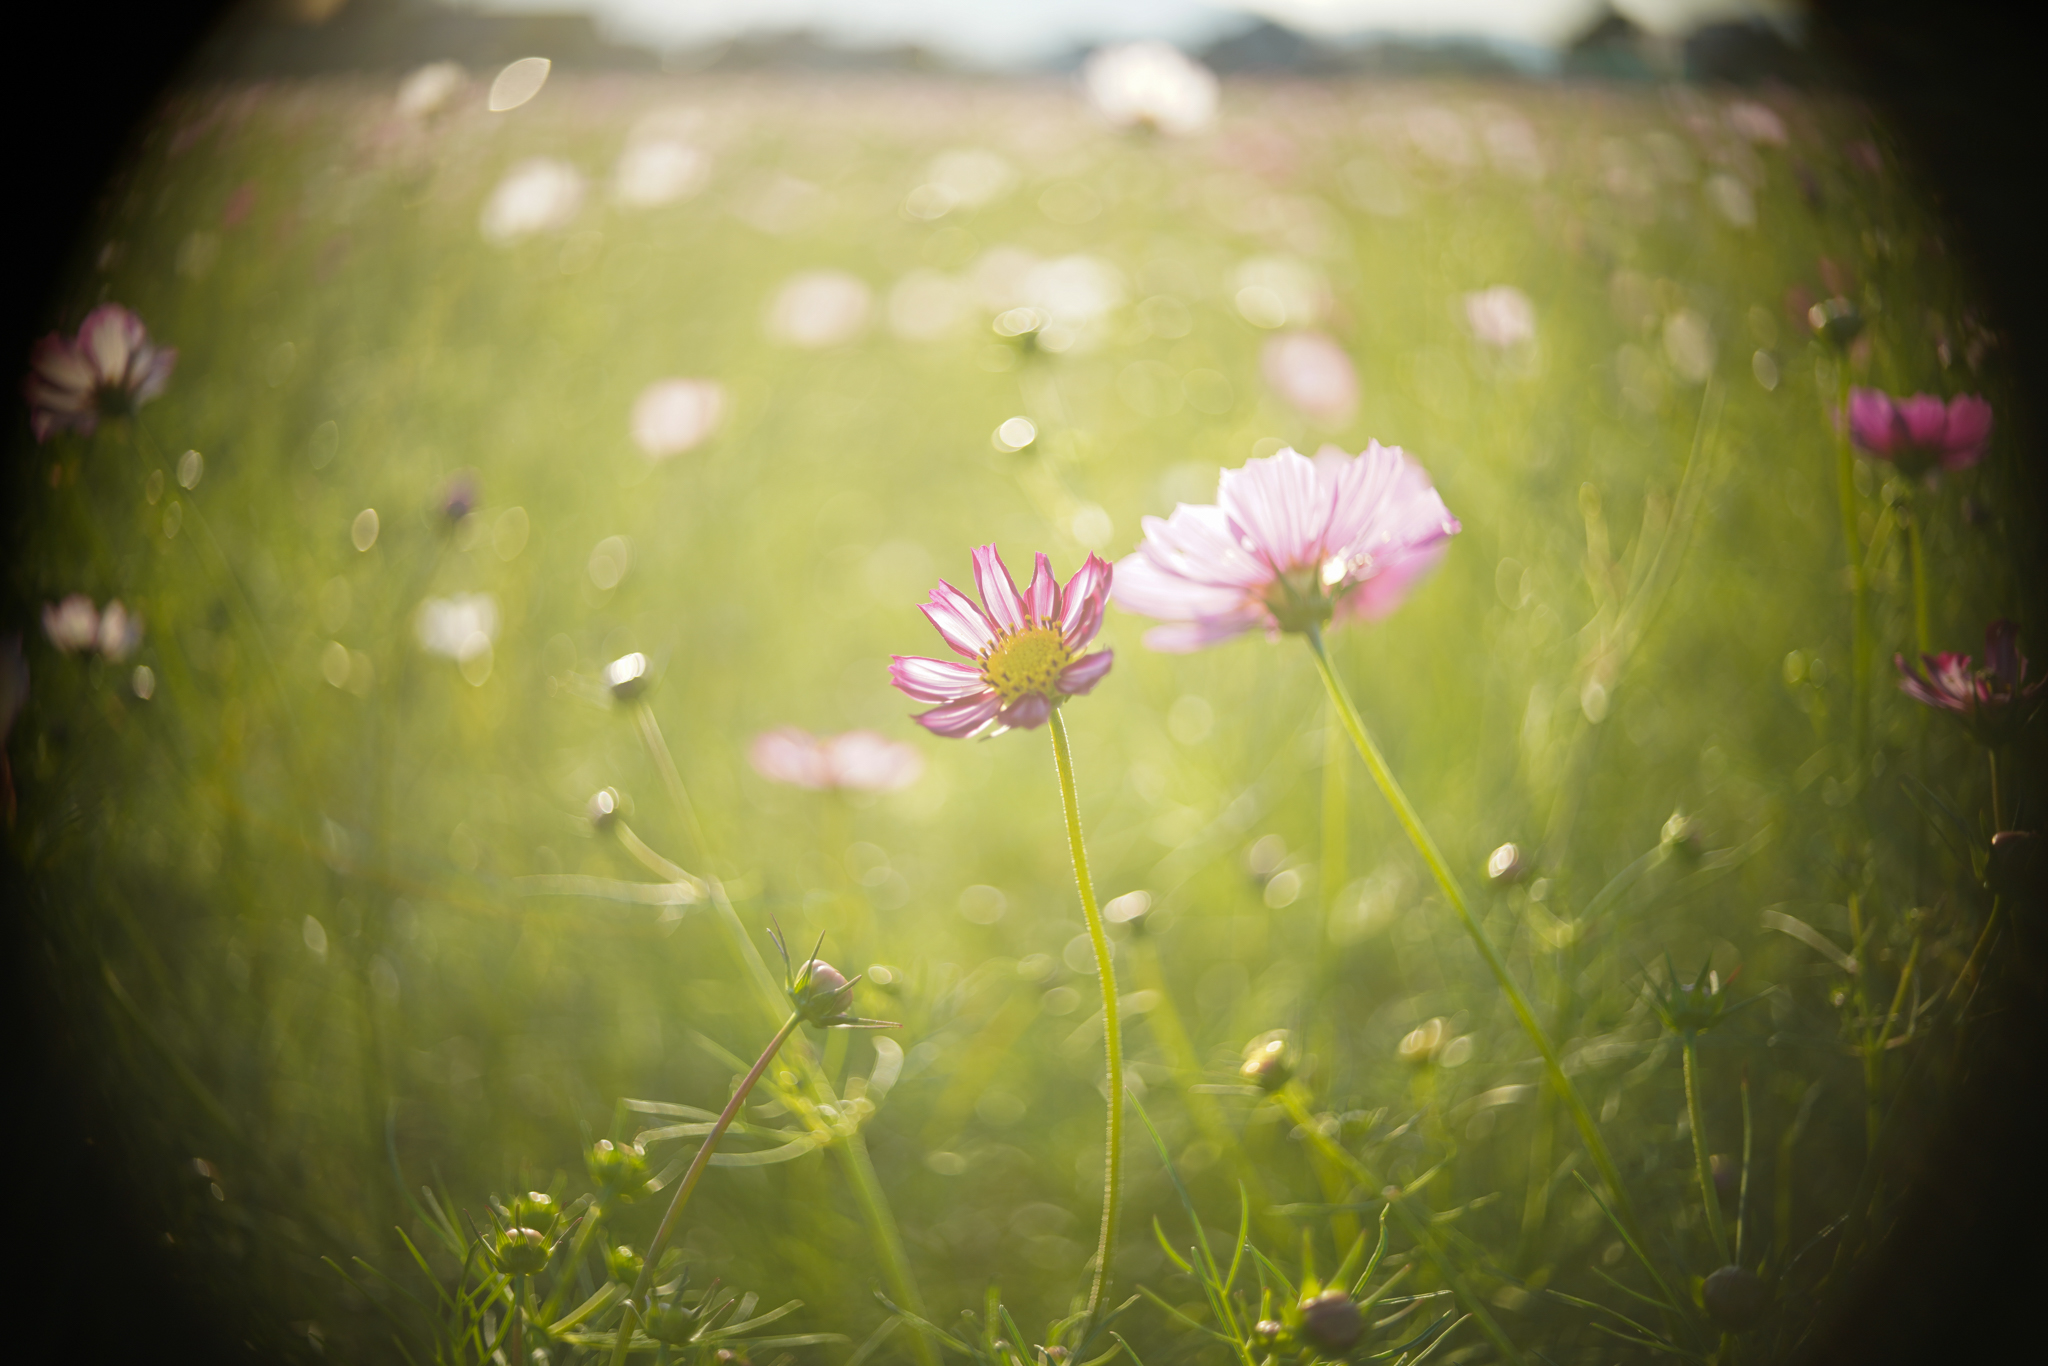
1030	661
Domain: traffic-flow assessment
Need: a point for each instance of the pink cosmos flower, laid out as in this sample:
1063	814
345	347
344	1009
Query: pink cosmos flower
1289	544
858	761
75	626
675	415
108	370
1920	432
1993	702
1313	373
1026	647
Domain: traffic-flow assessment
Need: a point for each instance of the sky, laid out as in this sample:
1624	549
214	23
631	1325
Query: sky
1017	32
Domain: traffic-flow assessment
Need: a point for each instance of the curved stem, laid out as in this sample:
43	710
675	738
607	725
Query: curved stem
1852	547
1418	835
671	777
1921	636
1697	1119
703	1160
1112	1029
519	1322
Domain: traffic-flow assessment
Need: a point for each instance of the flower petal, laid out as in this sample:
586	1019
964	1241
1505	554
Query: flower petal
934	680
1084	673
1146	587
998	589
1027	712
965	626
1083	600
1277	504
152	373
1969	431
2002	652
867	762
1185	637
1042	598
1199	543
788	755
961	719
1923	418
1873	421
107	338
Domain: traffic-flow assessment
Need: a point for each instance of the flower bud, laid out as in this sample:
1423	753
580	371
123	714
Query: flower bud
671	1323
1505	865
1332	1321
1268	1062
1837	322
623	1263
619	1170
603	808
460	497
535	1210
1268	1332
523	1251
1735	1298
627	677
820	991
1683	834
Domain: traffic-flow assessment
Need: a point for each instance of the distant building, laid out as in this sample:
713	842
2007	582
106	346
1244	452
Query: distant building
1615	47
1749	52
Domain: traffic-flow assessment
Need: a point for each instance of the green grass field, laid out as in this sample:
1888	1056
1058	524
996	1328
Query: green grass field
317	897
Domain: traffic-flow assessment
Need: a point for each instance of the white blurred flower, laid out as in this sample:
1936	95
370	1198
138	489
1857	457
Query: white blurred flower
459	628
1276	291
998	277
1512	146
925	305
1313	373
119	632
1732	199
540	194
1689	343
422	94
972	175
1757	122
819	308
72	625
659	172
1074	290
674	415
858	760
1501	316
1151	85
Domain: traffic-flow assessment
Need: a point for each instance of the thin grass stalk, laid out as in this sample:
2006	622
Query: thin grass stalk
1425	845
1922	637
1697	1118
1112	1028
1852	547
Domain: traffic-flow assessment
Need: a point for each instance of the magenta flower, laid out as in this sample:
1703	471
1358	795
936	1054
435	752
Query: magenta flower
1289	544
109	369
1027	647
858	761
1920	432
1993	702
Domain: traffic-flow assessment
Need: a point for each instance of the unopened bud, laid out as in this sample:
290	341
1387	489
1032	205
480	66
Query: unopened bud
1836	322
1332	1321
536	1210
523	1251
820	991
619	1170
1268	1062
603	807
1505	865
1682	834
627	677
623	1263
1735	1298
1268	1332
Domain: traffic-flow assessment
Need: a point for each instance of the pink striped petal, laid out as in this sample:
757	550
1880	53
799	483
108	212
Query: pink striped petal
934	680
961	719
998	589
1145	586
1083	599
965	626
1275	502
1186	637
1042	598
1027	712
108	338
789	755
1084	673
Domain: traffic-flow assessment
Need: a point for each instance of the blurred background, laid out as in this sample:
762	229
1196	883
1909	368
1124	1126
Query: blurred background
313	874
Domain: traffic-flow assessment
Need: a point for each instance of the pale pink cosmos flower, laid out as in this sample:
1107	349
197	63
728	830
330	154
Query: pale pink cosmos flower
1026	647
72	625
1502	317
1314	374
856	761
1922	432
1151	85
675	415
109	369
1289	544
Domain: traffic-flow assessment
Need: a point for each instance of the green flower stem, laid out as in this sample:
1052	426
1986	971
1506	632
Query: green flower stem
852	1148
1112	1028
1922	637
1852	547
584	1233
1698	1120
628	1321
1376	765
662	1235
1423	1235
